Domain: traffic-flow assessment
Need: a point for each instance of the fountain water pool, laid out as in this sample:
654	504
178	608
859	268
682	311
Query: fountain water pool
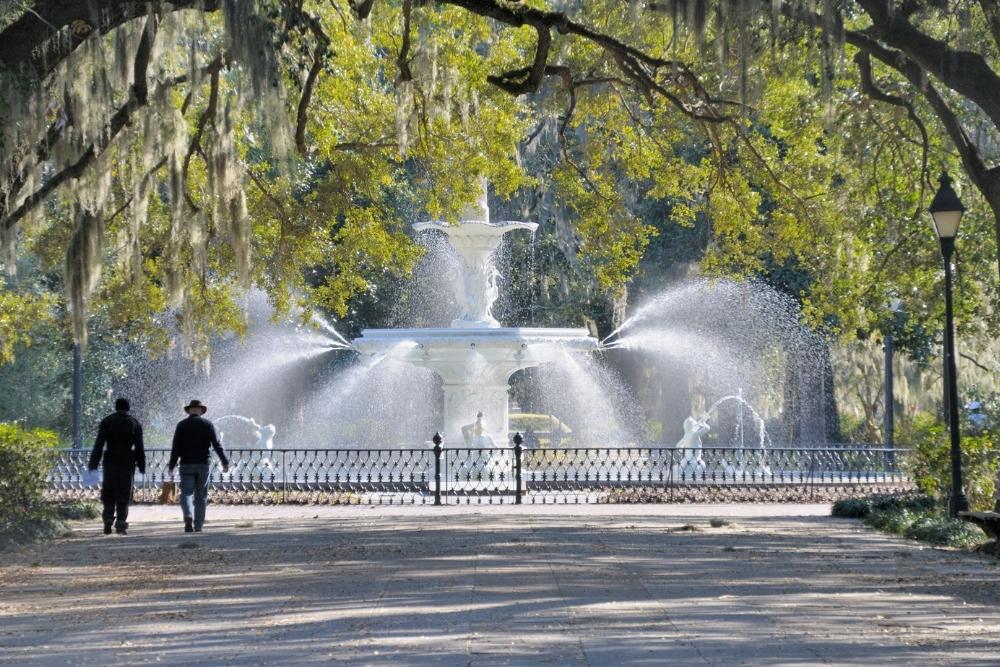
475	357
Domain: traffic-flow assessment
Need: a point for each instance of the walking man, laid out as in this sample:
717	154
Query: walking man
122	433
192	438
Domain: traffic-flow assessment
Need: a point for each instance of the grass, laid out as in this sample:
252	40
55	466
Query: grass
911	515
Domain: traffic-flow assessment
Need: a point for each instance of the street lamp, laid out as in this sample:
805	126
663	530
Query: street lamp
895	311
946	212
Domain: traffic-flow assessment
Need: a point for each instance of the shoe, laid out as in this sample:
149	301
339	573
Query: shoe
197	530
188	526
107	527
123	530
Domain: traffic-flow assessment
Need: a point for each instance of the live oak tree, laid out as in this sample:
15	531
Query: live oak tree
171	154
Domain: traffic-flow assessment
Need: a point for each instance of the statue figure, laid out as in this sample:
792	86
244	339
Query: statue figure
265	442
265	438
690	445
246	433
475	435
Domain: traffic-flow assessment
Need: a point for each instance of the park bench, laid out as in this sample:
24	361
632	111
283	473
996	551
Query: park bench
989	522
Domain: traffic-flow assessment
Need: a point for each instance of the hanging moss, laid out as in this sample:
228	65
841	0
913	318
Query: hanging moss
404	115
83	268
8	250
250	38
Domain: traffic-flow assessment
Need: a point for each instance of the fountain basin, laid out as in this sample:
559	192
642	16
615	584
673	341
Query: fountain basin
475	365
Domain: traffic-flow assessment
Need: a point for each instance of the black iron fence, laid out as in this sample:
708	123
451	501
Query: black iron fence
447	475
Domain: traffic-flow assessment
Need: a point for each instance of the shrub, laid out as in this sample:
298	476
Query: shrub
860	508
77	510
913	515
25	459
912	502
852	508
929	463
940	529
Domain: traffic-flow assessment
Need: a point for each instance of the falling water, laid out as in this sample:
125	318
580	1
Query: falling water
723	335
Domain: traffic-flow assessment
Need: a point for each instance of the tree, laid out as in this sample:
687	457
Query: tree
729	118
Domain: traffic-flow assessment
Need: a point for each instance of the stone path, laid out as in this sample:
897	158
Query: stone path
595	585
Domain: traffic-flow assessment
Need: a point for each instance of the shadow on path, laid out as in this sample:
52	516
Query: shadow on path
494	588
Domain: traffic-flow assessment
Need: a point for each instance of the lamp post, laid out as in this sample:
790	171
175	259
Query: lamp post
946	211
895	308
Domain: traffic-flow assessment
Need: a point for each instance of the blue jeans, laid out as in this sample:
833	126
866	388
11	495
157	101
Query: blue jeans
194	491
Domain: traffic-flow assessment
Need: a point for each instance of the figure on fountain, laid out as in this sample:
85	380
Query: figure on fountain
690	446
475	434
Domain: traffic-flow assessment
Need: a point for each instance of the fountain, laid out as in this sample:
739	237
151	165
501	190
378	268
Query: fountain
475	357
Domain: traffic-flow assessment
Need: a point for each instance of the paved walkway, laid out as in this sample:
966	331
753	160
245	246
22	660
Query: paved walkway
594	585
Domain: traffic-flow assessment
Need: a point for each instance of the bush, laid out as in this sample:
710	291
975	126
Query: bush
942	529
25	459
859	508
77	510
929	463
852	508
913	515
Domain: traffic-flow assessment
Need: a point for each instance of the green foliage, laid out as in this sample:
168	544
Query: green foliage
25	459
916	516
77	510
852	508
940	529
20	316
929	463
862	507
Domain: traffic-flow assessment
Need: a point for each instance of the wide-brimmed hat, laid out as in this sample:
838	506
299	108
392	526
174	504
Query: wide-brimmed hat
195	404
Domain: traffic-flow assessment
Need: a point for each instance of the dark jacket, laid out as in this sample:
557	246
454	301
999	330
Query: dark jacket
122	433
192	439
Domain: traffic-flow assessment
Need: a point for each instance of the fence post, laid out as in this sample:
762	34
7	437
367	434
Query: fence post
284	477
671	482
437	439
518	440
812	473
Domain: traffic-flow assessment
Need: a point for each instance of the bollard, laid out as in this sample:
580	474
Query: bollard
517	467
437	440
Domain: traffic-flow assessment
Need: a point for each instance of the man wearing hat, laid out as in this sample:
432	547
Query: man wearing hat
192	439
122	434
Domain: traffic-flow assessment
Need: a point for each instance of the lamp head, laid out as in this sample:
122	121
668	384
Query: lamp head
946	209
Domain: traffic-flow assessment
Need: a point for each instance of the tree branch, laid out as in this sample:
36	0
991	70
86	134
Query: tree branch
976	363
403	59
319	59
868	86
145	179
510	82
207	116
965	72
138	97
32	41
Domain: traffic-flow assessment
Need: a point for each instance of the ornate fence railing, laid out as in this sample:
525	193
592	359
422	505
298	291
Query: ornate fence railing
443	475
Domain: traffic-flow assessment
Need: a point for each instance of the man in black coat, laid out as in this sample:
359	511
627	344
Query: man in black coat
192	440
122	433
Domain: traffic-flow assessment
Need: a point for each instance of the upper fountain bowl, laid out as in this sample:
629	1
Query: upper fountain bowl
476	240
476	289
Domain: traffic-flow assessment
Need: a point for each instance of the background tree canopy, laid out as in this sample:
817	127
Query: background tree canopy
160	158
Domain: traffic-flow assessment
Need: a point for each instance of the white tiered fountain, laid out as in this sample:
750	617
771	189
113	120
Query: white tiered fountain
475	357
